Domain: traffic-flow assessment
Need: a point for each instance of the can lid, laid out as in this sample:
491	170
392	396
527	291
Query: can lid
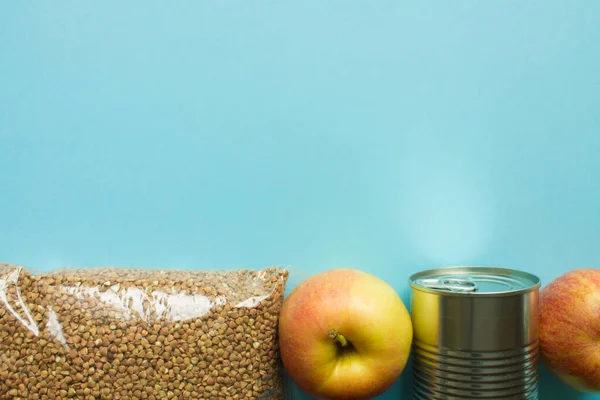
475	280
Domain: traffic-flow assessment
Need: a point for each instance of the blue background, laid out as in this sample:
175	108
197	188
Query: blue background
386	136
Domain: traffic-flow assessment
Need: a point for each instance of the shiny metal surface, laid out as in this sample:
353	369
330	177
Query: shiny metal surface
475	333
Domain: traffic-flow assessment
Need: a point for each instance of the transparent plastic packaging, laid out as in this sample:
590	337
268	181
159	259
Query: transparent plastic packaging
115	333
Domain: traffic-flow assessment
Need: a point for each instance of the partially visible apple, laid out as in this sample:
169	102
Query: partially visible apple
570	328
344	334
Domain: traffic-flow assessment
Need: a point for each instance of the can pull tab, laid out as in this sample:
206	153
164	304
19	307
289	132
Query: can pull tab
449	284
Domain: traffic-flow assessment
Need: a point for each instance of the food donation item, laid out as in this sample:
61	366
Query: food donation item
476	333
344	334
114	333
570	328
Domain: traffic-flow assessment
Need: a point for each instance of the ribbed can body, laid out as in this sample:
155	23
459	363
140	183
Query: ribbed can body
440	374
479	344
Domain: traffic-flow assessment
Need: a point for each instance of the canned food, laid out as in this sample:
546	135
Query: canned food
475	333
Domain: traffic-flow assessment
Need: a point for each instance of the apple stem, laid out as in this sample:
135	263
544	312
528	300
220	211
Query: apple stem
334	334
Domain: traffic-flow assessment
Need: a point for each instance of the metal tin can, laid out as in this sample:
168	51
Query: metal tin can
475	334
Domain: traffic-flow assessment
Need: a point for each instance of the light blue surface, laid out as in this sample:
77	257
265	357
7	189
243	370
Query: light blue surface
387	136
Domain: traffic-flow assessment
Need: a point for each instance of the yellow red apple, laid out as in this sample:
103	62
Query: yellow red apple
344	334
570	328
